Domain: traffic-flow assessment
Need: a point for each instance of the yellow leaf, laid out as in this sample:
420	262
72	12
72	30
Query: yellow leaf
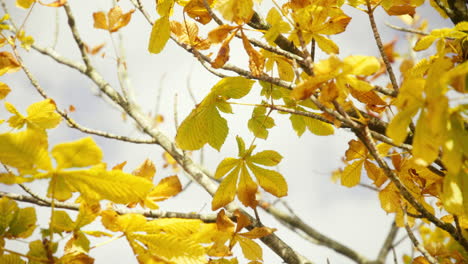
256	60
80	153
223	54
326	44
220	33
100	20
61	222
160	34
258	232
356	150
4	90
164	7
166	188
247	189
237	11
390	199
335	25
223	223
271	181
361	65
368	97
97	184
11	259
375	173
8	63
169	247
8	211
203	125
250	249
145	170
57	3
355	83
42	115
298	124
267	158
226	190
117	19
430	131
351	174
225	166
278	26
424	43
318	127
259	122
454	195
17	120
25	150
24	3
196	9
397	129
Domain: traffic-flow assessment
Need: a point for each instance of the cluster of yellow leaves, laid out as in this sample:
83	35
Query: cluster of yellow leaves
440	245
239	179
114	20
228	231
313	19
440	124
391	7
338	78
204	124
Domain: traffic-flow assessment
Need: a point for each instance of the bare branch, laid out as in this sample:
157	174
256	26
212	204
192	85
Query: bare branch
378	40
388	243
416	243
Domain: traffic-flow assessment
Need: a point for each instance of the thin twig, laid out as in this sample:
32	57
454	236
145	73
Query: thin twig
388	243
378	40
415	242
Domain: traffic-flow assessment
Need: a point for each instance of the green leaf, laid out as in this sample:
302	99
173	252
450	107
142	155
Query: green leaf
61	222
259	122
24	223
298	124
159	35
203	125
233	87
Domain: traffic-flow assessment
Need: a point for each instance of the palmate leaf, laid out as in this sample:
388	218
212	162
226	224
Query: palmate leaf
41	115
259	123
241	169
204	125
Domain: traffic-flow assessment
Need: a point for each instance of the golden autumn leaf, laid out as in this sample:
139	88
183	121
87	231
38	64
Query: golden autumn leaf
57	3
80	153
25	150
4	90
114	20
41	115
237	11
24	3
223	54
220	33
196	9
8	63
187	33
351	174
160	34
256	60
166	188
146	170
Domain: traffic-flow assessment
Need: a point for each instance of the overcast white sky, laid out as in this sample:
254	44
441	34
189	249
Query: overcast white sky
351	216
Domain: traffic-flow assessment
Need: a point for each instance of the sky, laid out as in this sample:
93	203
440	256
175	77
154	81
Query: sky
351	216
